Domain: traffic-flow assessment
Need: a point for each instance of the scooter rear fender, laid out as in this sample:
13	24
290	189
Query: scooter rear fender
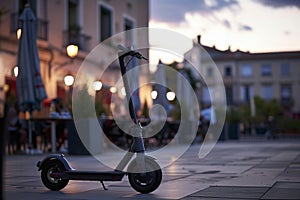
54	157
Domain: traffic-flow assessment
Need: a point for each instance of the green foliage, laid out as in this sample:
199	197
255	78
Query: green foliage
239	114
233	115
288	125
265	109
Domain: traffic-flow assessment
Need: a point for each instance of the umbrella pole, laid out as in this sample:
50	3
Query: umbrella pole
30	134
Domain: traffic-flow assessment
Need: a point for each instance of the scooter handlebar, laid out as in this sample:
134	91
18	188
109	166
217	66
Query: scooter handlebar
130	52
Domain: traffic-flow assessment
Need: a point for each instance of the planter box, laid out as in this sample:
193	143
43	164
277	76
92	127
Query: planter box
92	139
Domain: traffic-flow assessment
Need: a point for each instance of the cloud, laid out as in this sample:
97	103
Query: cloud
245	28
174	10
280	3
227	24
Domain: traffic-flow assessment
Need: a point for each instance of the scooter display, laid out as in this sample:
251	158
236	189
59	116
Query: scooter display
144	173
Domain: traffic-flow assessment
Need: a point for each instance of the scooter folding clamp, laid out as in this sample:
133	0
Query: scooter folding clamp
135	130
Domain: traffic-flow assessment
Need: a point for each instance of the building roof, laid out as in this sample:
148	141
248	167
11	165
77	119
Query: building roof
220	55
223	55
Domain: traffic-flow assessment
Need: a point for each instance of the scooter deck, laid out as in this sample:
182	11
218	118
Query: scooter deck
90	175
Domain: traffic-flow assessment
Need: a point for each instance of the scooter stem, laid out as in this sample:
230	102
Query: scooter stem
137	143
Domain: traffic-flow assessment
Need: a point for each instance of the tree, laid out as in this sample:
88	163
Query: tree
264	109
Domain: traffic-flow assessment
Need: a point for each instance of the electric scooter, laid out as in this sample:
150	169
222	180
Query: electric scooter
144	173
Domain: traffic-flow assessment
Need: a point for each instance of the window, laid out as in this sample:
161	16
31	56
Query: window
246	93
210	72
266	70
73	19
227	71
73	35
229	95
128	25
105	22
286	92
285	69
267	92
246	70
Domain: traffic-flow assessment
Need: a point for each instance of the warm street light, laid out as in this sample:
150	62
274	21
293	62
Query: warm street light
72	50
16	71
6	88
154	94
97	85
69	80
171	96
19	32
113	90
123	91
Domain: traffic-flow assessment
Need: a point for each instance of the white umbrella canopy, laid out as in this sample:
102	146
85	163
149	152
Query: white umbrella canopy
184	95
30	88
161	89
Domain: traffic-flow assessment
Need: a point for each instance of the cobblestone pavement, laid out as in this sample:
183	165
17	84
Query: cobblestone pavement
268	169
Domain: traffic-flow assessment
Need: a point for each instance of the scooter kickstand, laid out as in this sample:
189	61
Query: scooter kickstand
103	185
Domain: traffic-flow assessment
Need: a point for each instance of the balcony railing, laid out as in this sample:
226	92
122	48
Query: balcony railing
42	26
79	39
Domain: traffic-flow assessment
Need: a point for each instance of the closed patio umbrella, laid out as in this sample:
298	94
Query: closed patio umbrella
184	94
161	88
30	87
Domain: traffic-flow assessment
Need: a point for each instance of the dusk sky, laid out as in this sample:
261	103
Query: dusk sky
248	25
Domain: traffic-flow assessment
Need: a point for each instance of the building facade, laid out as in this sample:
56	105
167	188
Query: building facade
60	23
269	75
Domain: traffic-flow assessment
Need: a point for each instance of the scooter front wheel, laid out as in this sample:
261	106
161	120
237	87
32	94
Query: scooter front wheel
54	184
145	182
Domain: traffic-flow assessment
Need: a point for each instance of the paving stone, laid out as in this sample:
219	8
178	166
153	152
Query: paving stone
208	198
232	192
282	193
284	190
233	170
294	185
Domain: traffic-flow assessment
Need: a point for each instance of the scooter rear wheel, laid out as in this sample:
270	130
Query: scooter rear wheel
145	182
54	184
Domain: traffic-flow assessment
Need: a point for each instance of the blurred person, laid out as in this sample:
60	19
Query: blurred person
16	132
207	118
61	131
271	128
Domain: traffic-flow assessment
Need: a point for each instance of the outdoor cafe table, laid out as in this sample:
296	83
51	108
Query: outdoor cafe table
53	121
